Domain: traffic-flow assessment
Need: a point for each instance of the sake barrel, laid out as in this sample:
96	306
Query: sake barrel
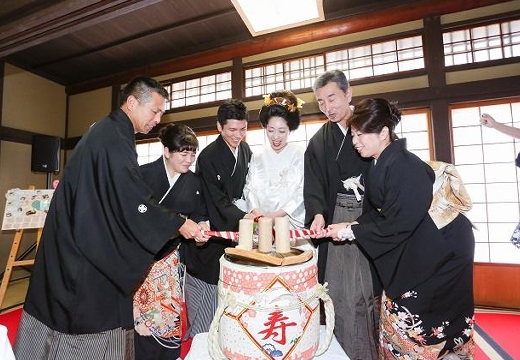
268	312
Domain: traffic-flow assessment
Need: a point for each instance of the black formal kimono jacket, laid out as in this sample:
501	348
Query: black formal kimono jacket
185	197
328	160
222	182
102	231
396	230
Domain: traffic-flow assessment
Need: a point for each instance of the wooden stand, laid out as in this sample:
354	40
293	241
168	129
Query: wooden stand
12	261
272	258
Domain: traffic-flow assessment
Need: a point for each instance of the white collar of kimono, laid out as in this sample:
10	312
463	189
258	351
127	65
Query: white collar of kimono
235	154
343	130
171	178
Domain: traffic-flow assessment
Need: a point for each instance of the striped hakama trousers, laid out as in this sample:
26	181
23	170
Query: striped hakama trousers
201	304
35	341
350	287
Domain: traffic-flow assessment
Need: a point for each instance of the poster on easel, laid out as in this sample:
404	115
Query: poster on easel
26	209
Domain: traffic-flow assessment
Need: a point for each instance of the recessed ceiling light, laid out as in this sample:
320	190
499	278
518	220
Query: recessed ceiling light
266	16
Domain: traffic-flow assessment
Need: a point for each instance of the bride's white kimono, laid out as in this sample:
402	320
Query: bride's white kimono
275	182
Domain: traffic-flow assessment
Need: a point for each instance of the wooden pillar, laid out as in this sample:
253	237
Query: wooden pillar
237	79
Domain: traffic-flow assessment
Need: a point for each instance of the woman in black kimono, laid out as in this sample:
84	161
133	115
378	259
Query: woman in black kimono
426	272
158	301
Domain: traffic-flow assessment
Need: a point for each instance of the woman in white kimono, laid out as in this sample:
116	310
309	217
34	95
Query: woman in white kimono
274	185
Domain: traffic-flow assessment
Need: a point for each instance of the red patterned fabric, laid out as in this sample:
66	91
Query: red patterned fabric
158	303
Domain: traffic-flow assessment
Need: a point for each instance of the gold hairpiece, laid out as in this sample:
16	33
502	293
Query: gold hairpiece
268	101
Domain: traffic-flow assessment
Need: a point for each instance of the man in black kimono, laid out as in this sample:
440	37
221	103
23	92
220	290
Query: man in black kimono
101	234
222	167
330	159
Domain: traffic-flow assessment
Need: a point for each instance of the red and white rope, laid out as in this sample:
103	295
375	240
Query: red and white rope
232	235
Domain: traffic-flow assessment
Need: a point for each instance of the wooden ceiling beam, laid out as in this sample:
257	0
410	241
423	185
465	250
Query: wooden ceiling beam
62	18
321	31
140	36
293	37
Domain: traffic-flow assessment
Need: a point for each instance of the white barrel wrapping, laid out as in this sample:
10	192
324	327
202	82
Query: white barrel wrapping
271	312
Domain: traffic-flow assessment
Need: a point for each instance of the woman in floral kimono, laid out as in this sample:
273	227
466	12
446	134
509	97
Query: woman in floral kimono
426	271
158	301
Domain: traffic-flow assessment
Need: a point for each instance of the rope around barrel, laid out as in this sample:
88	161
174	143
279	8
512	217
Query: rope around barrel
228	299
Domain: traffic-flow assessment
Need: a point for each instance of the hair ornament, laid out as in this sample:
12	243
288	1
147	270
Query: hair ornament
279	100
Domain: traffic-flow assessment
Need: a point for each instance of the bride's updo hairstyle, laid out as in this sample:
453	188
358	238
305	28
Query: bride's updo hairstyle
283	104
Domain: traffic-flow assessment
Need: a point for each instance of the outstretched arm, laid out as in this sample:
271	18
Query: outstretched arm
488	121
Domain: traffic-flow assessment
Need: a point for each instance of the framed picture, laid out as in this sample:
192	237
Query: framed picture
26	209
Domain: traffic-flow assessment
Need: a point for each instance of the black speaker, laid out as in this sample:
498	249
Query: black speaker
45	153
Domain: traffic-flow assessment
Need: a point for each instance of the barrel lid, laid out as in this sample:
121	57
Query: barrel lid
257	258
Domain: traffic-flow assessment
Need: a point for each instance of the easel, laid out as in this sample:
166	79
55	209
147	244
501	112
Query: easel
12	261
